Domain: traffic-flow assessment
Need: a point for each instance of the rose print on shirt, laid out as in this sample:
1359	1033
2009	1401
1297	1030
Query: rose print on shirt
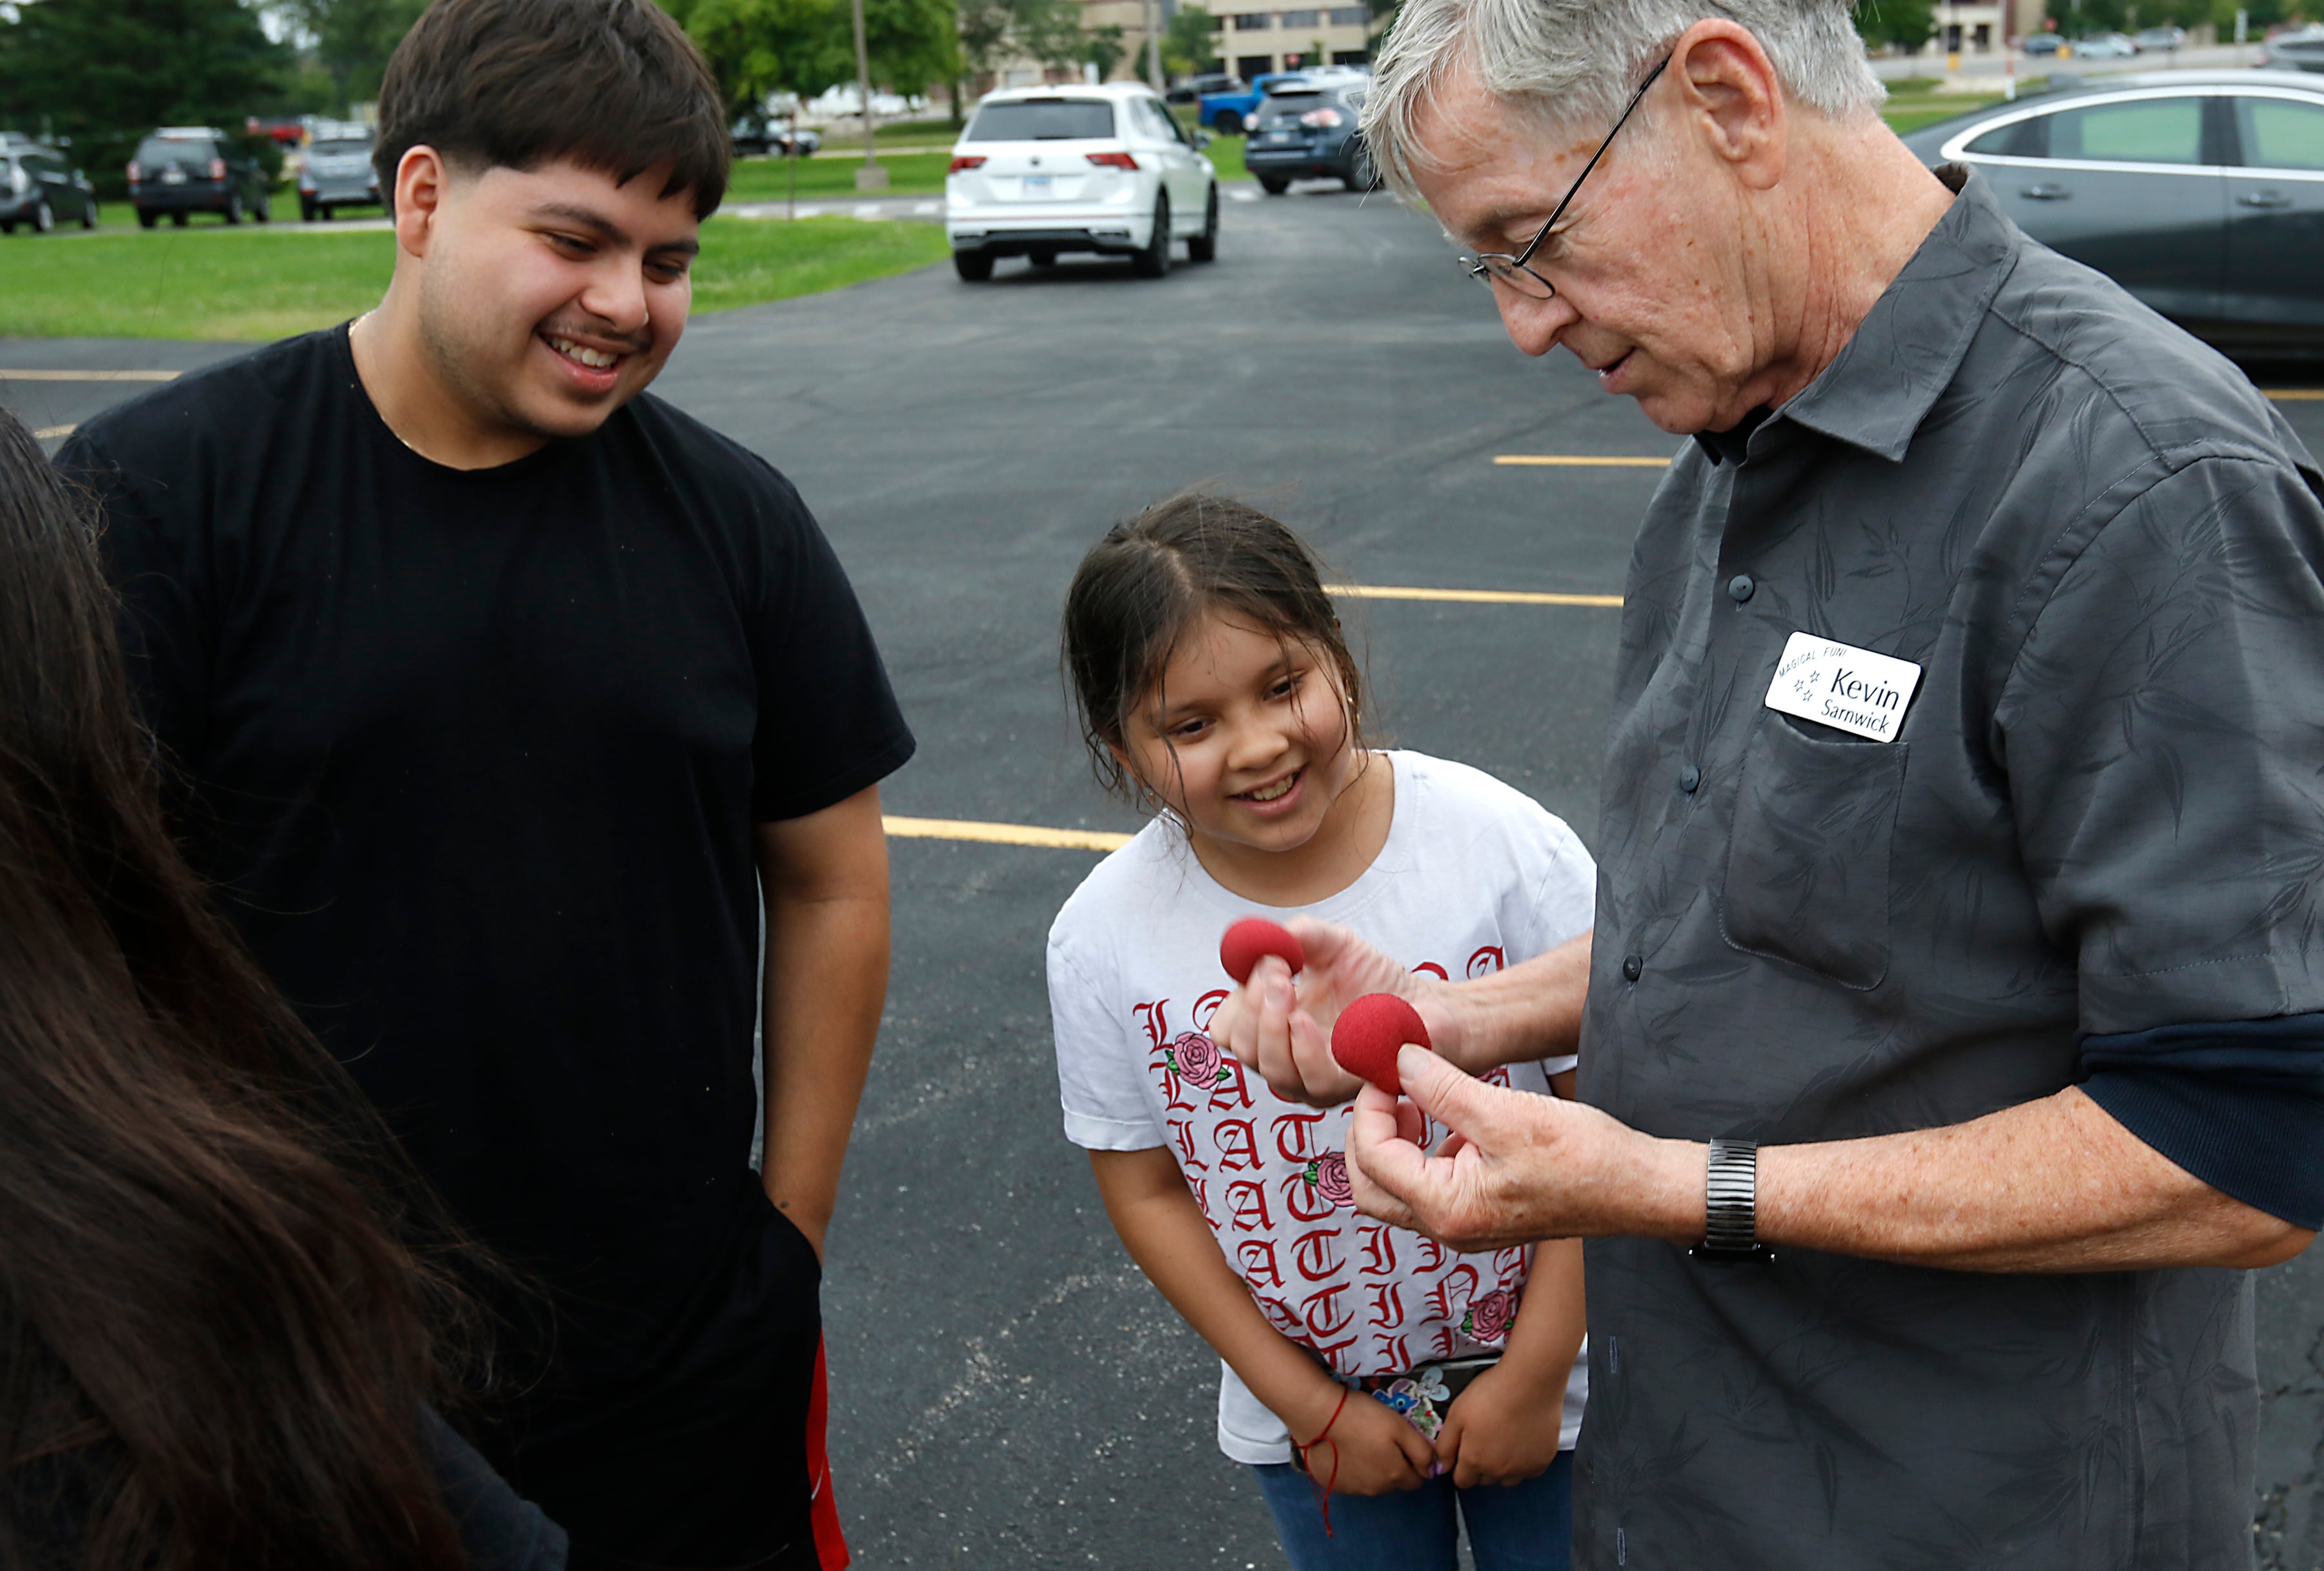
1489	1314
1197	1059
1327	1175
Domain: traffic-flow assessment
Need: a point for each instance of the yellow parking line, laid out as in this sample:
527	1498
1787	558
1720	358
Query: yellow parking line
1578	461
89	375
50	433
1471	596
1007	834
2296	395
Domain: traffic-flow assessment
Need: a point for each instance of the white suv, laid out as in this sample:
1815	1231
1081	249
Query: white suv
1042	170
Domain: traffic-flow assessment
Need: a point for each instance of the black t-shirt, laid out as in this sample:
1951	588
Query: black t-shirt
474	757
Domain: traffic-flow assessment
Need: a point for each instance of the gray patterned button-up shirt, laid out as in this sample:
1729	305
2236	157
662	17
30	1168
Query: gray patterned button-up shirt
2104	812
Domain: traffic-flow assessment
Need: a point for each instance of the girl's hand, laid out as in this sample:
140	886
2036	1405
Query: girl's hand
1377	1451
1281	1025
1502	1429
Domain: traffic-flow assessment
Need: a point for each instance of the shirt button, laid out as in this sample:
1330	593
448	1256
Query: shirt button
1631	965
1689	779
1740	588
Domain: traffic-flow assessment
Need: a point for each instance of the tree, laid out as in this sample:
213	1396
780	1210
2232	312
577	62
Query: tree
1907	24
912	43
353	39
1186	41
1103	48
104	73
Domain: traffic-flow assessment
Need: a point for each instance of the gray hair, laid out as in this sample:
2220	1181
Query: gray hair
1559	62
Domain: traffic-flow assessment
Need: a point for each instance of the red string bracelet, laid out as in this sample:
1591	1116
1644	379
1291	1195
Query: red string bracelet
1323	1491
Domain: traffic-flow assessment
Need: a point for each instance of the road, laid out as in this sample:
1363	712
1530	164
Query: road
1007	1392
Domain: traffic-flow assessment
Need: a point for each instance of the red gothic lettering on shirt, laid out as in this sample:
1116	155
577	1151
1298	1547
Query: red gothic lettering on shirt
1486	961
1174	1098
1388	1306
1433	969
1202	1187
1182	1131
1441	1300
1326	1316
1315	1255
1509	1262
1237	1143
1499	1075
1378	1242
1389	1351
1293	1133
1232	1092
1441	1343
1255	1259
1304	1202
1247	1206
1207	1005
1432	1256
1154	1019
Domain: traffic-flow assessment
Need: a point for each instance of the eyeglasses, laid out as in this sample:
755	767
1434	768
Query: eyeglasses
1494	267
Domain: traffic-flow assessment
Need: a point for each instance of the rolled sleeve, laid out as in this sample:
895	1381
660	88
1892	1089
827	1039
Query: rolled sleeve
2160	728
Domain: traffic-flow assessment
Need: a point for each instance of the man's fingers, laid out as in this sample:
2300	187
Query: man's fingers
1462	1104
1386	1170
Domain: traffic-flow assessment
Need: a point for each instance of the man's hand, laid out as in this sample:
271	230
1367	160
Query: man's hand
1518	1167
1502	1429
1281	1025
1375	1449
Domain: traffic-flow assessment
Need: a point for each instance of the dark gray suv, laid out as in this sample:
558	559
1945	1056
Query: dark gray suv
1304	128
2200	192
182	170
38	190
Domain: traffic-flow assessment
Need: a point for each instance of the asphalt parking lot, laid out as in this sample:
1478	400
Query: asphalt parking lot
1007	1391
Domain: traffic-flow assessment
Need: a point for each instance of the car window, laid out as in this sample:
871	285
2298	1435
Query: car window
1042	120
2142	131
342	150
2028	138
174	149
1165	122
2282	134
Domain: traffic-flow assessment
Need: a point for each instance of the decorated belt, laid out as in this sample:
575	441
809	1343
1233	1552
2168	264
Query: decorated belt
1424	1395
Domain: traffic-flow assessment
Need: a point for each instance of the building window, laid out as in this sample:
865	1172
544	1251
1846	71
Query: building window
1253	22
1350	57
1350	16
1301	18
1247	66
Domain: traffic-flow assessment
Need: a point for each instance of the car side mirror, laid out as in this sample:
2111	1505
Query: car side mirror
1202	138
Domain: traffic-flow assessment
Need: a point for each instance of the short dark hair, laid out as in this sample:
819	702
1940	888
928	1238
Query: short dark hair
614	84
1142	589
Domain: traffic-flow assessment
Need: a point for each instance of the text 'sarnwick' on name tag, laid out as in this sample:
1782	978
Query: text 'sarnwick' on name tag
1852	690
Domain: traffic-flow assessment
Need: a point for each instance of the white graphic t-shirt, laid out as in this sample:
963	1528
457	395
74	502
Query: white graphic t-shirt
1474	876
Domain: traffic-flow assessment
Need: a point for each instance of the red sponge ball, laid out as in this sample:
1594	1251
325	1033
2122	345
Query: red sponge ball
1368	1034
1252	937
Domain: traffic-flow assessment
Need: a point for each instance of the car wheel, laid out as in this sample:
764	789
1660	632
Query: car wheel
180	217
1362	176
146	220
265	213
325	212
7	226
44	219
234	206
1042	258
1273	187
1204	247
973	266
89	214
1154	261
1229	123
306	211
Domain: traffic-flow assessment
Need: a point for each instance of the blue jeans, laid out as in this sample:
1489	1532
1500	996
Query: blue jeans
1525	1527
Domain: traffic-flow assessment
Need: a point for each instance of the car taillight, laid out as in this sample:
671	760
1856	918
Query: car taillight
218	169
135	174
1114	161
965	162
1320	117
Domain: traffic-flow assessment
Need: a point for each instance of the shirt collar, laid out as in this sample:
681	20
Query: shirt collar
1880	388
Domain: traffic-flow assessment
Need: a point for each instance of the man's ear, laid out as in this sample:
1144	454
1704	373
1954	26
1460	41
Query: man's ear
1732	100
422	182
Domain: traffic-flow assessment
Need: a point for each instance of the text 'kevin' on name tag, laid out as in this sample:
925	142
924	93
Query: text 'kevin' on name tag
1853	690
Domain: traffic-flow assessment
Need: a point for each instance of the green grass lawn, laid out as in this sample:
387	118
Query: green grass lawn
259	285
768	179
1916	101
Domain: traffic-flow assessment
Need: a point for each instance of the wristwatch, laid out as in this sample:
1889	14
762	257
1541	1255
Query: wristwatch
1730	1209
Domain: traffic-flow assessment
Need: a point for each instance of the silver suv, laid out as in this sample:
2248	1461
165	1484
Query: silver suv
337	172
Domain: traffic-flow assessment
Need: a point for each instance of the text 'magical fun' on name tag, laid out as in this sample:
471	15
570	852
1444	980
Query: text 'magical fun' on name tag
1850	689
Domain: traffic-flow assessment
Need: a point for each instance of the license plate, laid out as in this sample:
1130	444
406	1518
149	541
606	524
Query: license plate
171	175
1036	185
1282	136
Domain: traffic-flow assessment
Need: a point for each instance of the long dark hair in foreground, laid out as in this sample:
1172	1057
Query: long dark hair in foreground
213	1349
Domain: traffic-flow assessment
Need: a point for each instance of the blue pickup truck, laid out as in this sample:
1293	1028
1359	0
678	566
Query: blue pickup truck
1228	111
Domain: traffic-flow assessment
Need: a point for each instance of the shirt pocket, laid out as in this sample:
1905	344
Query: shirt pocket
1806	878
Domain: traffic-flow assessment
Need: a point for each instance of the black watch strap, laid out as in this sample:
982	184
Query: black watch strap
1731	1212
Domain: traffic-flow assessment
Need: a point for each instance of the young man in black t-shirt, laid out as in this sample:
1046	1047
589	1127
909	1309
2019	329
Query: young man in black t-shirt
506	700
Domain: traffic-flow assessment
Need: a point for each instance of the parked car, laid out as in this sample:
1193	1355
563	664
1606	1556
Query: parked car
2300	50
38	188
1307	130
1228	110
756	133
2159	38
1041	171
2045	43
336	173
182	170
1192	89
2105	46
2201	192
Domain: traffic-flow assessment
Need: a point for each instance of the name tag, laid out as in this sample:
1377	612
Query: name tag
1849	689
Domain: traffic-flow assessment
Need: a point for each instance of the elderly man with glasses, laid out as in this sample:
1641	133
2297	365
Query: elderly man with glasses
1952	1033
